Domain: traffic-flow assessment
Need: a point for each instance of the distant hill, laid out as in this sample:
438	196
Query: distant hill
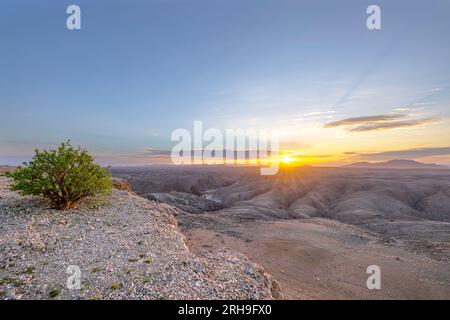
396	164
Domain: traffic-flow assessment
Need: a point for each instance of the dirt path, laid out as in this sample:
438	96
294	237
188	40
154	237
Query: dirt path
324	259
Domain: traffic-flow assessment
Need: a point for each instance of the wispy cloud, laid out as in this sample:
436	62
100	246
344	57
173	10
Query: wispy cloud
313	115
393	124
380	122
404	153
364	120
408	109
150	152
318	113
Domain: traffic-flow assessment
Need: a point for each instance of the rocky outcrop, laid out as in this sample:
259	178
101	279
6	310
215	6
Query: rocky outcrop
187	202
126	248
121	184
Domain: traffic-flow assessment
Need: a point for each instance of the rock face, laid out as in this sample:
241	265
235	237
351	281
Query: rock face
168	178
127	248
187	202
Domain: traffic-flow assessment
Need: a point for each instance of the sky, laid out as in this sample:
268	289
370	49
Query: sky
137	70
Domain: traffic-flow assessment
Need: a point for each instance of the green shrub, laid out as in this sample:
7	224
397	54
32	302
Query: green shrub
54	293
116	285
63	176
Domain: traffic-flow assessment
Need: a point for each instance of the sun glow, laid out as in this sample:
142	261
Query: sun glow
286	159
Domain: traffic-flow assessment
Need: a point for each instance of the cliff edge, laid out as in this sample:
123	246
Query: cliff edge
125	248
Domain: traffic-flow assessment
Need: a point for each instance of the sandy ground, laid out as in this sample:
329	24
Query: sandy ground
325	259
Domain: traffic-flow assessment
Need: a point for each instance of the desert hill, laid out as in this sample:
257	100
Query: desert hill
396	164
316	229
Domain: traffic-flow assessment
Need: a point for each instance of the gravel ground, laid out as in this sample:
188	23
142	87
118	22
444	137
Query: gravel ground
126	248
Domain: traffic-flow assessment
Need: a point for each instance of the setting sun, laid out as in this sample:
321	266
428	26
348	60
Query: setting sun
286	159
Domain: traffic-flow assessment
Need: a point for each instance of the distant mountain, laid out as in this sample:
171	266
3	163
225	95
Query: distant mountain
396	164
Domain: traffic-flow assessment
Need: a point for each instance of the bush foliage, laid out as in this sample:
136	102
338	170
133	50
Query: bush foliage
63	176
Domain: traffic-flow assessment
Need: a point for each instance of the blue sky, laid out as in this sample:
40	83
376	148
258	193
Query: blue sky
137	70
